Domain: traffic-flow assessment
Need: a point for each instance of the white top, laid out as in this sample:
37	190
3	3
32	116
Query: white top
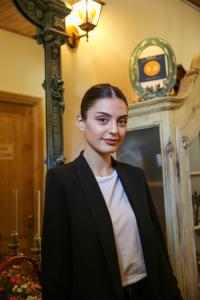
127	239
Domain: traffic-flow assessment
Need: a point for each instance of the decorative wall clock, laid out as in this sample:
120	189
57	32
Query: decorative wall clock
152	68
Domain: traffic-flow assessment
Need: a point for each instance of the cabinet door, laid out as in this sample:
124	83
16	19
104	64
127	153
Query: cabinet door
194	156
141	148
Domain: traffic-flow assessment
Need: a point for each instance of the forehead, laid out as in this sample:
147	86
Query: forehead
109	105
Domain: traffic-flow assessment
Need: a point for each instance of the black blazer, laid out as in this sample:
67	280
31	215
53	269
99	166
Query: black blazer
79	259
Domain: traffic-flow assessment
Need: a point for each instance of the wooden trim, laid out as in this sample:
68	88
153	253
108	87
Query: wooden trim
18	98
193	3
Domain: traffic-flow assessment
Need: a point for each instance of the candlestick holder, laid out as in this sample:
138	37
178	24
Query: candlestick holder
36	249
14	244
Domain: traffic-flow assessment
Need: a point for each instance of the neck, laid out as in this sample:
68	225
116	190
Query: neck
101	165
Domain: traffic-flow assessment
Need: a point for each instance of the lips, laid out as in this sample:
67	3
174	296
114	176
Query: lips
110	141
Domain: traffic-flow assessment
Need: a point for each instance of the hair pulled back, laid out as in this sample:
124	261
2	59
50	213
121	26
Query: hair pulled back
99	91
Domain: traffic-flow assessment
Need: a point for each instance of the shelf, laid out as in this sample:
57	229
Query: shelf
197	227
196	173
155	183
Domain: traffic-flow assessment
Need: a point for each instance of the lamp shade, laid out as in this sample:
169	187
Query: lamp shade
87	13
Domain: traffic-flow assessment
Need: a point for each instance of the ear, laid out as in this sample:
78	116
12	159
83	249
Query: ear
80	123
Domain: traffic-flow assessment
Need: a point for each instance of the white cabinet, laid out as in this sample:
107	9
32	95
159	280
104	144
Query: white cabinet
194	158
160	138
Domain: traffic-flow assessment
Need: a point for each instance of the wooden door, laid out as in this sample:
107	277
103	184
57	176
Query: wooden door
19	167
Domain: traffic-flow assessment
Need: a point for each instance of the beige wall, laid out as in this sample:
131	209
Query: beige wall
21	65
105	58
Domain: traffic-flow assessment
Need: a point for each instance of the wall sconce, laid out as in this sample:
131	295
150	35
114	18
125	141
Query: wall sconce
84	15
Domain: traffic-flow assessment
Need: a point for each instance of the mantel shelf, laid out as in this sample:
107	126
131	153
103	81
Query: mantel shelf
155	105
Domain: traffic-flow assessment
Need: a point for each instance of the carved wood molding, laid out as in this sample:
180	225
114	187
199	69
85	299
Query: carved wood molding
43	13
49	17
170	148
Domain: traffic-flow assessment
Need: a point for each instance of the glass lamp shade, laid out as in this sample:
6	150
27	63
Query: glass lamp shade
86	13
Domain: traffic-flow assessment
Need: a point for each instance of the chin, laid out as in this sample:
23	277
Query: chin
106	150
111	151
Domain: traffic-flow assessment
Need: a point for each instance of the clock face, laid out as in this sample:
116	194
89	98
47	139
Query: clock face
152	68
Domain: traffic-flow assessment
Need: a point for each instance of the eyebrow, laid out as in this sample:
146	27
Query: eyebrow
108	115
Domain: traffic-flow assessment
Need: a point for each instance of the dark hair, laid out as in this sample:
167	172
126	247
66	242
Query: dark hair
100	91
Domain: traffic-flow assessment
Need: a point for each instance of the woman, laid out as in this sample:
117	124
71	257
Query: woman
101	235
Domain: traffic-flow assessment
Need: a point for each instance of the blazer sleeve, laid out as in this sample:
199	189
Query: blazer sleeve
55	250
156	222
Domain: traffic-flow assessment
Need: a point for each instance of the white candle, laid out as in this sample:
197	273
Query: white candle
14	210
38	212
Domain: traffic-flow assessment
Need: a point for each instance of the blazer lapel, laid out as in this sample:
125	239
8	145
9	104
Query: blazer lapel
101	219
133	192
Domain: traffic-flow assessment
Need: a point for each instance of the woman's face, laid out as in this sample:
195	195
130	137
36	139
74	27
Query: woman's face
105	126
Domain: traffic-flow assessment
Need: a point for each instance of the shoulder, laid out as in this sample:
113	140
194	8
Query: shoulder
66	168
60	173
61	169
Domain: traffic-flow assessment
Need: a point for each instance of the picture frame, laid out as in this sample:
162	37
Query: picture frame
152	68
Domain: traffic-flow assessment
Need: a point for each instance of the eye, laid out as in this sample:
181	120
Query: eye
122	122
102	120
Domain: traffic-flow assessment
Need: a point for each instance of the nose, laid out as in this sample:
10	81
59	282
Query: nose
114	127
